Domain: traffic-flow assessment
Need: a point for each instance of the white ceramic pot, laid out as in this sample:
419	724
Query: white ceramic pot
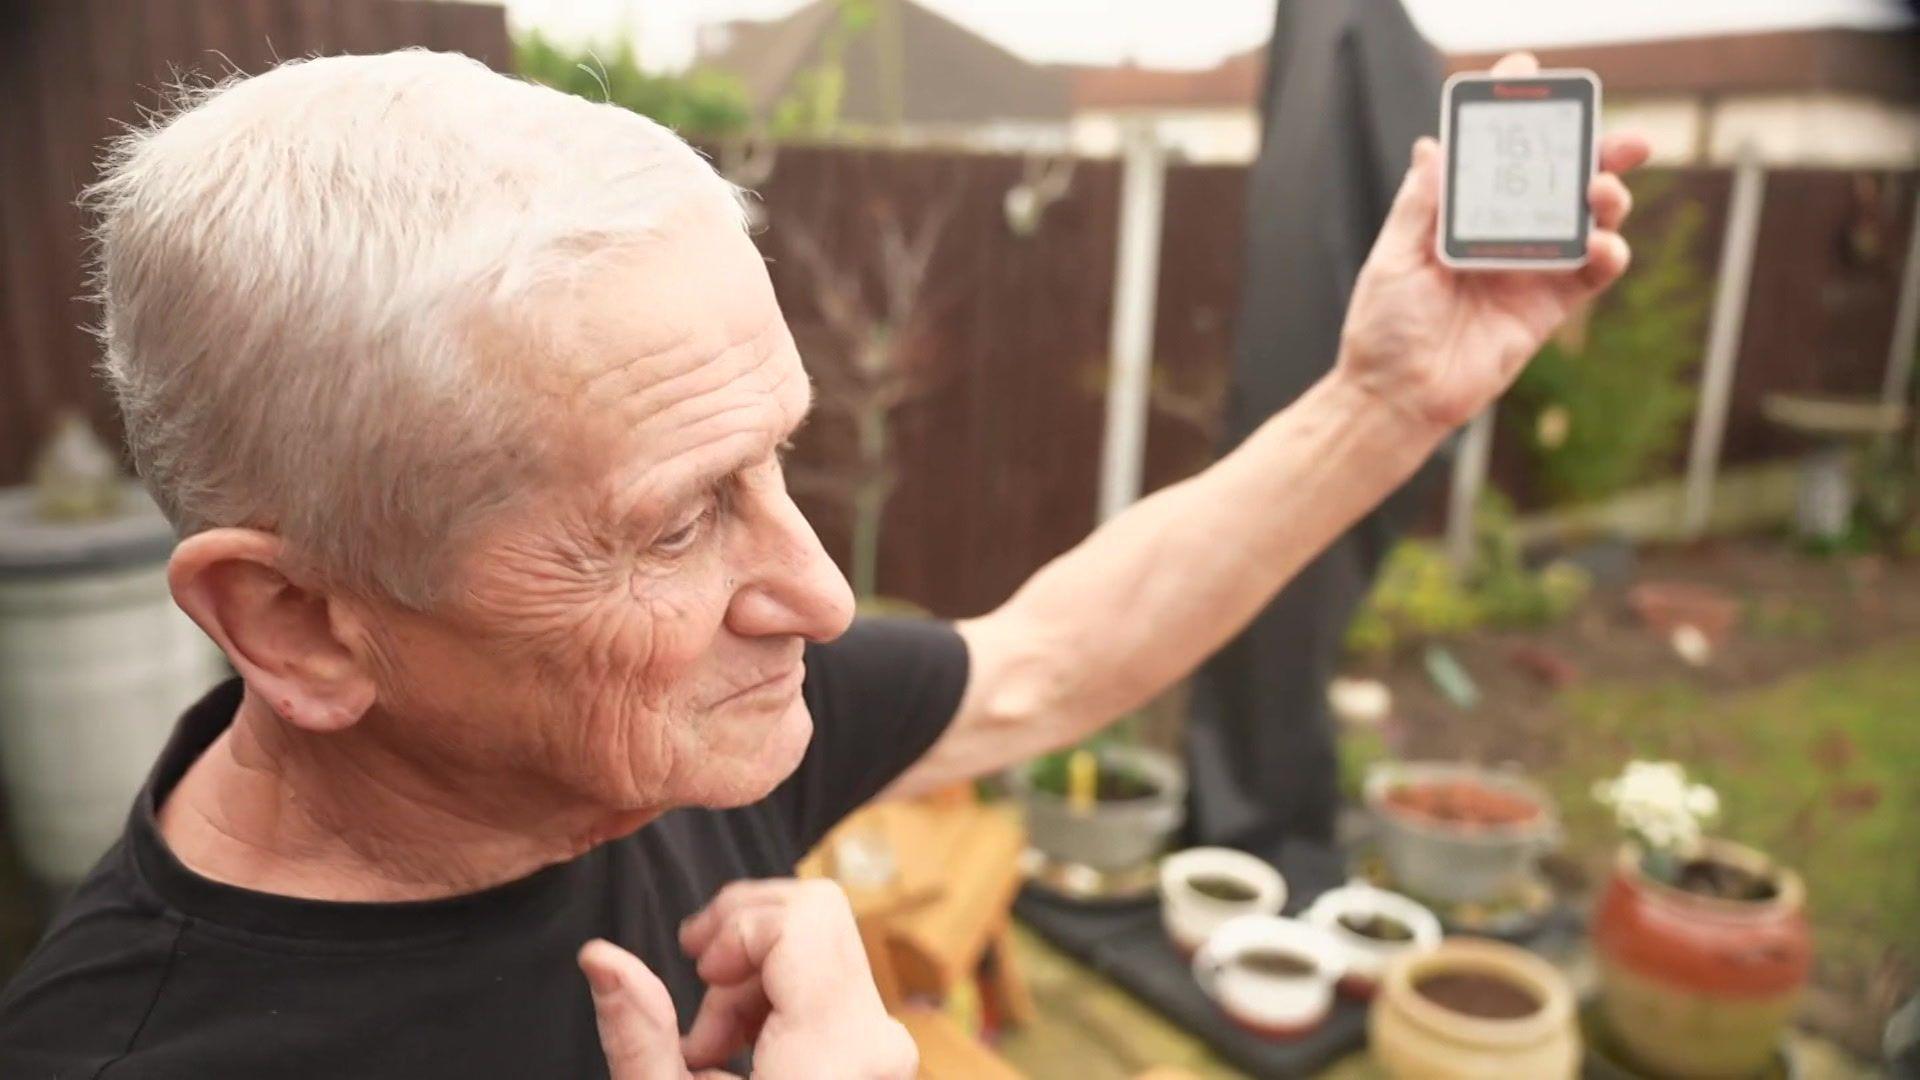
1367	957
1276	1006
1191	915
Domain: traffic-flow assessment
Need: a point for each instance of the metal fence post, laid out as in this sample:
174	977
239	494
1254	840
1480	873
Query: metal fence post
1723	340
1470	462
1906	320
1136	291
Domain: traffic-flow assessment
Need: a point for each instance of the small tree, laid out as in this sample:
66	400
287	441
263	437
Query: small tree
701	102
811	106
877	365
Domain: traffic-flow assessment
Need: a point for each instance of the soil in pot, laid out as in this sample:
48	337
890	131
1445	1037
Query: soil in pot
1113	783
1376	927
1220	887
1473	993
1275	964
1723	881
1462	803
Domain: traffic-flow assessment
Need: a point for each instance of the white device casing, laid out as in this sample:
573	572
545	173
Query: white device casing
1446	147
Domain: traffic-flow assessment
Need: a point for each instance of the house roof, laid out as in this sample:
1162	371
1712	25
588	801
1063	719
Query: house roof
1231	83
939	71
1875	63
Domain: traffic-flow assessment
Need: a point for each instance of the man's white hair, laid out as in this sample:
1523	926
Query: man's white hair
295	270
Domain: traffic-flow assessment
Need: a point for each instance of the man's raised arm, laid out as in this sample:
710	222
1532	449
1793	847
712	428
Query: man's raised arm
1151	593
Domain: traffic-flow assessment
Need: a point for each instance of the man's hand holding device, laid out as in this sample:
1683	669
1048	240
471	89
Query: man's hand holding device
1438	336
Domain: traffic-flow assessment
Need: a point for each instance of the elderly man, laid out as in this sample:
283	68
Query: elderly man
468	400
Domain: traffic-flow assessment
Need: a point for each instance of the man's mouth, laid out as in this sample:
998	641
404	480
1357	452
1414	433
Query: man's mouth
779	685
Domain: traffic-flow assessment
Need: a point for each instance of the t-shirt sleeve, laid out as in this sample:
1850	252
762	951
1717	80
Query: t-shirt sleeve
880	695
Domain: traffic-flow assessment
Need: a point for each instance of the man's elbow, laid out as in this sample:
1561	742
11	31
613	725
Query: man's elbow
1024	683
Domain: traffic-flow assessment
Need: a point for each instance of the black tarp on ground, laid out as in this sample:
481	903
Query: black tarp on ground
1350	85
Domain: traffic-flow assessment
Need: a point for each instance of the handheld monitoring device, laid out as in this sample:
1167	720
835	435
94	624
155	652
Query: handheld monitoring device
1520	155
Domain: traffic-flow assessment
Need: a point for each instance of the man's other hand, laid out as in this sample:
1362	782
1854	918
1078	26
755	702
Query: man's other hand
786	975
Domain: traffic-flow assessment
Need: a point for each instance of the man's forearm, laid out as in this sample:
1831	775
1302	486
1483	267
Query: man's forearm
1153	592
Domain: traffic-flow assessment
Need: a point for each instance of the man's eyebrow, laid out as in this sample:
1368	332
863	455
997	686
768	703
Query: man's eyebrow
677	493
706	481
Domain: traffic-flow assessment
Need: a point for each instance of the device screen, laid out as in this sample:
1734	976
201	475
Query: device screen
1519	158
1519	162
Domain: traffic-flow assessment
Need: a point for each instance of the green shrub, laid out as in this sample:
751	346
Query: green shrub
704	103
1617	407
1421	595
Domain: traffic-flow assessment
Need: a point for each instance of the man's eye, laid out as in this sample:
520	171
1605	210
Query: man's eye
682	538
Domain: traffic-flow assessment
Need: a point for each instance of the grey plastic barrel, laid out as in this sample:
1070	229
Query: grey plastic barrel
95	664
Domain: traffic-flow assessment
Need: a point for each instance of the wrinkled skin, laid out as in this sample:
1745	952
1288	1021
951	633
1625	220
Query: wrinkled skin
631	636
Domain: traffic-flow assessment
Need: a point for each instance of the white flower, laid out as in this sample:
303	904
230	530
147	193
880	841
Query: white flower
1653	801
1703	802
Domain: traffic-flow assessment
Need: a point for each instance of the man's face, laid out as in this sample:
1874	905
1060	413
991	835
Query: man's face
632	637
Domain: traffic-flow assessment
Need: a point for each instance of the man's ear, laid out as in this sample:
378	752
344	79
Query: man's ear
284	638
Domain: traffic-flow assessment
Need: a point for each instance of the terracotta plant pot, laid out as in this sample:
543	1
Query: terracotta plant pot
1473	1009
1459	833
1665	606
1696	985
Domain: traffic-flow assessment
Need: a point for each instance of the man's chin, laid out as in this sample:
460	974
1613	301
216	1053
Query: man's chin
763	765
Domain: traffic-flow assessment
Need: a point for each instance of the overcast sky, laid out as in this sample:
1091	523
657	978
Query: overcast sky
1185	33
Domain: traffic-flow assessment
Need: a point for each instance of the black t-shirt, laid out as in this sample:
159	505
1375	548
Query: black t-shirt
154	971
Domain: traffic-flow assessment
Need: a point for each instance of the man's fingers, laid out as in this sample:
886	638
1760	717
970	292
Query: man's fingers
1607	258
638	1030
1624	151
1611	201
739	950
699	929
1517	65
729	1020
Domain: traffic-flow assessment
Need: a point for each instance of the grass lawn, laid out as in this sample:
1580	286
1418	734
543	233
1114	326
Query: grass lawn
1820	770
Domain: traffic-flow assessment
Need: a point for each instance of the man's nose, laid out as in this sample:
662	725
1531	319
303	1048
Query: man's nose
793	587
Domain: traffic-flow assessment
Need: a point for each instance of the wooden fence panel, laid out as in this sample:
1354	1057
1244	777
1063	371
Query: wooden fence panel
72	72
996	457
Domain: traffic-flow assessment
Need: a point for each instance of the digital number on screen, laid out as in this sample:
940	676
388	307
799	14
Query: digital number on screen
1517	171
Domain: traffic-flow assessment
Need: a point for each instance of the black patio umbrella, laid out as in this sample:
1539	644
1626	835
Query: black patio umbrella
1350	84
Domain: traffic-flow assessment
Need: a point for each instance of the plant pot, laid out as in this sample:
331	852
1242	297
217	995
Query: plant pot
1415	1037
1697	985
1191	914
1666	606
1274	1006
1112	836
1455	862
1368	957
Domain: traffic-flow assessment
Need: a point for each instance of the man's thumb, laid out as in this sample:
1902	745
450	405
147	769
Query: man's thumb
1411	219
638	1030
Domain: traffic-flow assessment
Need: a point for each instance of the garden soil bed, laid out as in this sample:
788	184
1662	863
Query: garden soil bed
1798	612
